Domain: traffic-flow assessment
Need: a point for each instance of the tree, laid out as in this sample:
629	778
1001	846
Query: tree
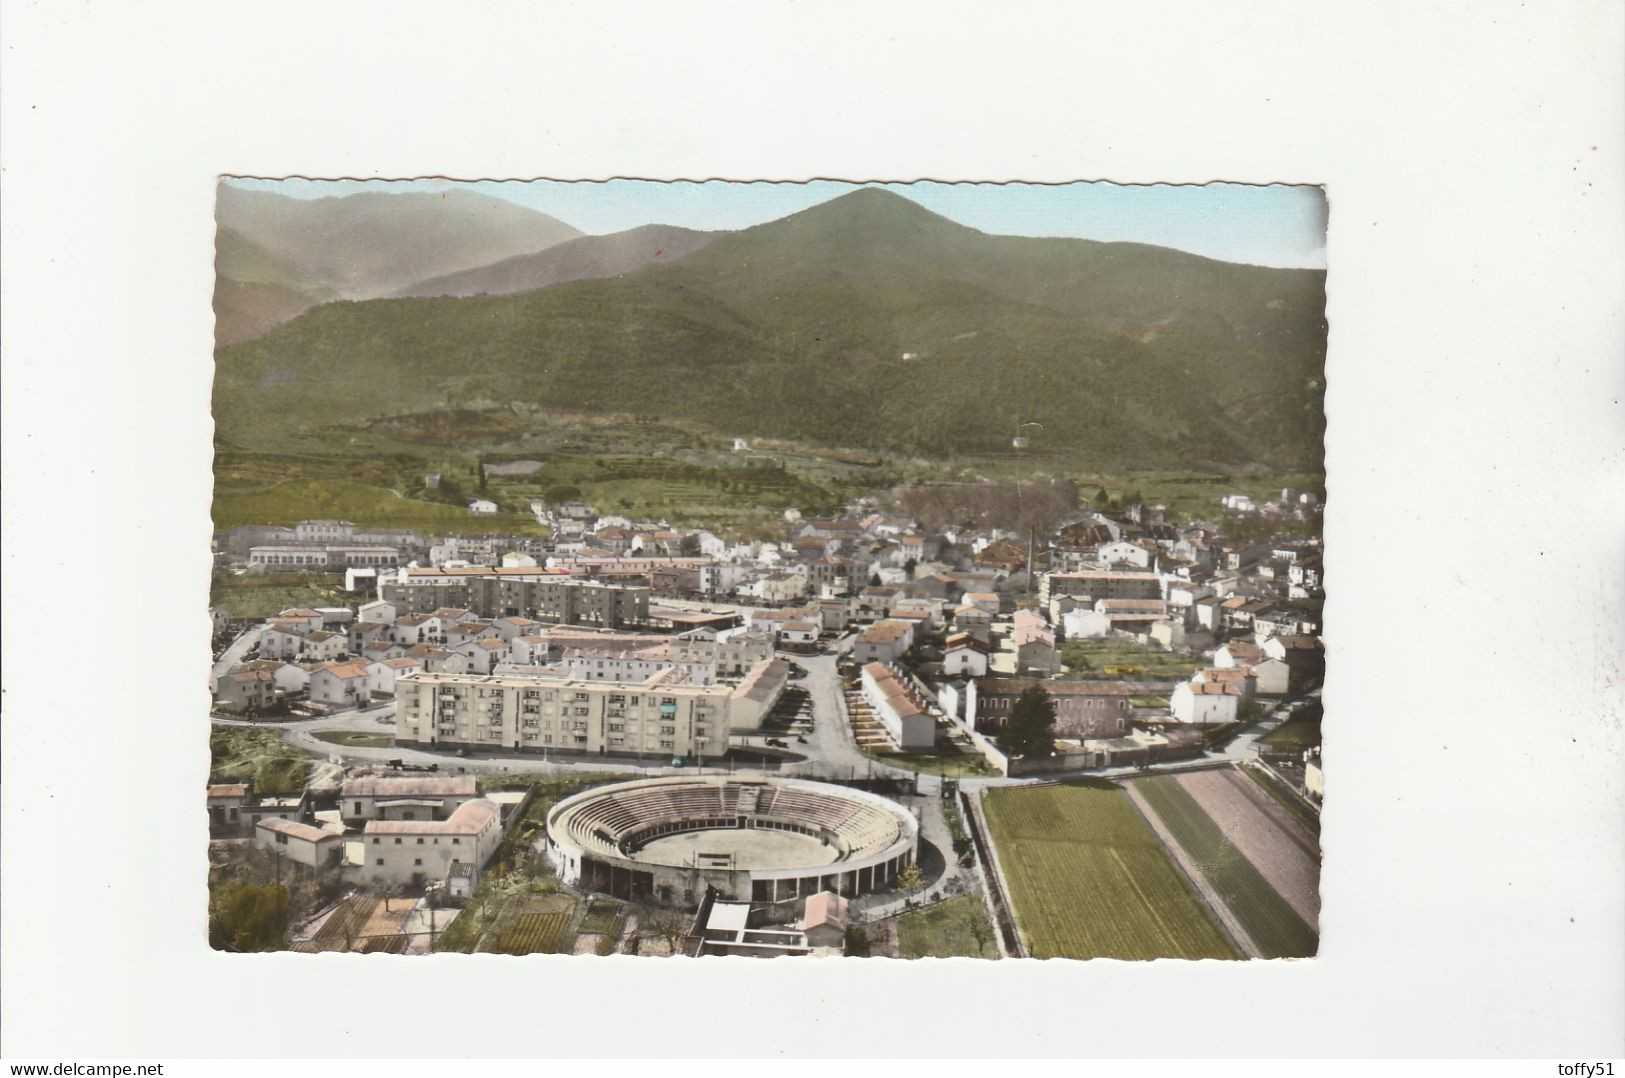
976	924
910	879
669	925
1030	729
566	492
909	567
248	917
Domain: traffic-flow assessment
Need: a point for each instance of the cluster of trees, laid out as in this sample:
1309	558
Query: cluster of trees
1030	728
1038	507
248	917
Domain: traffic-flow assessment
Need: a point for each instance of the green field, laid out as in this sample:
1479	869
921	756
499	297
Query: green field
1273	925
239	754
363	504
1094	655
353	739
601	916
948	930
1088	878
261	596
950	764
1300	732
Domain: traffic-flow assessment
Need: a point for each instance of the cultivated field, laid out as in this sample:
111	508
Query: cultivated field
1283	852
363	923
1088	878
1275	925
534	933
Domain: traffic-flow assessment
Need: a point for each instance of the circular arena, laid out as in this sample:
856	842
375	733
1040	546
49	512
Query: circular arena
752	839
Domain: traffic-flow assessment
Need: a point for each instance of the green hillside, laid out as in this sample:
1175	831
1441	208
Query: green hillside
866	321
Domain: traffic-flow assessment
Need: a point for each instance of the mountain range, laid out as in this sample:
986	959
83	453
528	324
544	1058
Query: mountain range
580	259
277	256
866	321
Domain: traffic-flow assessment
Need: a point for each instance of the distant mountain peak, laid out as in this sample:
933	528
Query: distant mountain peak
870	206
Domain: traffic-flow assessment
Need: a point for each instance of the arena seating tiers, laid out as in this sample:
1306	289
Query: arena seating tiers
623	814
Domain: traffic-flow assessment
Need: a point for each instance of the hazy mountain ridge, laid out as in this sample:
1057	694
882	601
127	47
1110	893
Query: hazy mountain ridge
255	291
371	244
865	321
583	258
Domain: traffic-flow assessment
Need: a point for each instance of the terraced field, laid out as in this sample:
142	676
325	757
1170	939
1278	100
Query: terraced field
1089	879
1271	921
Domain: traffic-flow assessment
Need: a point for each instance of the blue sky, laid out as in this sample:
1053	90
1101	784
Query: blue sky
1275	225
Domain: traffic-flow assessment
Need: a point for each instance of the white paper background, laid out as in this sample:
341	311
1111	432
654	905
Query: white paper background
1473	882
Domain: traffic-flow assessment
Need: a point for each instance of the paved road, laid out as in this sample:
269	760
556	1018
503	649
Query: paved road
831	748
233	655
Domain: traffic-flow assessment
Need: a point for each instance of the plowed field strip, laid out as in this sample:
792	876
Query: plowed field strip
1290	868
1271	922
1289	824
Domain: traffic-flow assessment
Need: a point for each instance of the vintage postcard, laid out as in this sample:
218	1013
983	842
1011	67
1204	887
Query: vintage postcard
768	569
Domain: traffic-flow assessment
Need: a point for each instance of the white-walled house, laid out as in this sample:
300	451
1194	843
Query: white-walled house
379	610
293	677
281	642
340	685
1239	676
910	726
483	654
325	646
381	675
1082	623
964	656
1121	552
1204	703
299	842
399	851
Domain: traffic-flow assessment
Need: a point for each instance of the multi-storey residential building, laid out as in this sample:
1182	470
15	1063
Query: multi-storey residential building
545	595
324	558
596	664
665	714
1099	585
1083	709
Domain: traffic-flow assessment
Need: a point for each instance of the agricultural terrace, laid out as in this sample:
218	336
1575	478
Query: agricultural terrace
1088	878
1215	833
364	923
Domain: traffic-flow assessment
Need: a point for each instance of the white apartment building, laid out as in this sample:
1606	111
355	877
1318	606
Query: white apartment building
666	714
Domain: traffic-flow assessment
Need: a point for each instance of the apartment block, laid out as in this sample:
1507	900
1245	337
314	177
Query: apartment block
666	714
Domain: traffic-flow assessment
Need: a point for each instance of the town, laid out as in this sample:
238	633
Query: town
876	734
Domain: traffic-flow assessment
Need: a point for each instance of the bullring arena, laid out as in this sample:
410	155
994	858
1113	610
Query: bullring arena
752	839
